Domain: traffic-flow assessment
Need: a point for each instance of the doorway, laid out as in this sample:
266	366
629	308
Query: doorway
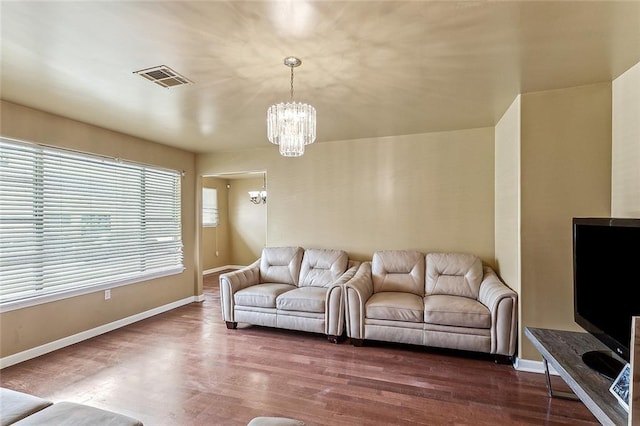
236	232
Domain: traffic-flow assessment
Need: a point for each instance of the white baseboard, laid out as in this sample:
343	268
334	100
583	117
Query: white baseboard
88	334
221	268
530	366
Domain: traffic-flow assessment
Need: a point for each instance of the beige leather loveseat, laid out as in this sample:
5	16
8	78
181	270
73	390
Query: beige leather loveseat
447	300
289	287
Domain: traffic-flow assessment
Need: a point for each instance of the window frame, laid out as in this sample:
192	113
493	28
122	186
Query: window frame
172	267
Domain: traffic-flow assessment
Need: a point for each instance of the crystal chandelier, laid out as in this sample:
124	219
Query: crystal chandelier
291	125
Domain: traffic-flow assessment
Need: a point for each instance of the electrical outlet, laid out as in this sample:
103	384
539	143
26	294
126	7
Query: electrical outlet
107	294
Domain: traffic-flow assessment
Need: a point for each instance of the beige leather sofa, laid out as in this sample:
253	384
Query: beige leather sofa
22	409
446	300
289	287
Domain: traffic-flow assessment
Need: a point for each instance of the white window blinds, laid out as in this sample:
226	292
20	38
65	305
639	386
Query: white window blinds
209	207
70	221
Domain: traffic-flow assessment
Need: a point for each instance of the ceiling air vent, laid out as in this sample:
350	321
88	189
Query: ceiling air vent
163	76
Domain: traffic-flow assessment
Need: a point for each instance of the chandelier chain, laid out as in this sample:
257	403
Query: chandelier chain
291	83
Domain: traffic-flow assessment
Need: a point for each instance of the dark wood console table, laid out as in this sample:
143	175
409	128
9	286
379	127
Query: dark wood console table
563	350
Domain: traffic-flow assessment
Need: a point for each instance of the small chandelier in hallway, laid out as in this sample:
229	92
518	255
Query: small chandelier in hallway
260	197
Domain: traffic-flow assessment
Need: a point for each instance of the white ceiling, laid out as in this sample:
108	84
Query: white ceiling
370	68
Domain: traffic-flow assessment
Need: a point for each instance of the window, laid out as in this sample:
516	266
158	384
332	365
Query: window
209	207
71	221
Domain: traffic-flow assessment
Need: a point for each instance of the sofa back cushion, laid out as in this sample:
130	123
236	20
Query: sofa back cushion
321	268
280	265
455	274
398	270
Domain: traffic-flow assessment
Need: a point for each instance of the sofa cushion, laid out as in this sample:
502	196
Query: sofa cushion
17	405
280	265
72	414
395	306
321	268
454	274
274	421
456	311
303	299
261	295
398	270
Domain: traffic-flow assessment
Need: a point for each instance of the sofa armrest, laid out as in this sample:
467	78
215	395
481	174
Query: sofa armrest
348	274
334	304
502	302
232	282
357	291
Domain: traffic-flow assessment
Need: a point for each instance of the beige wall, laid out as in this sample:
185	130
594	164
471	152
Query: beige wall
215	250
247	222
565	172
427	192
507	198
625	180
430	192
34	326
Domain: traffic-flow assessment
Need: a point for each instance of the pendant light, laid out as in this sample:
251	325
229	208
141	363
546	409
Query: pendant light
291	125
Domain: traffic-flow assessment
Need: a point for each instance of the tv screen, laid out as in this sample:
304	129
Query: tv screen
606	273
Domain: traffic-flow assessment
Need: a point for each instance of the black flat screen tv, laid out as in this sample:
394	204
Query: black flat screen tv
606	282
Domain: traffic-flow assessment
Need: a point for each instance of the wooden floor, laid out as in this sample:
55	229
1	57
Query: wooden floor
185	368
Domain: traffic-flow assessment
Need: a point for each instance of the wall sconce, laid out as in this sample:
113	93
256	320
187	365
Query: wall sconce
258	197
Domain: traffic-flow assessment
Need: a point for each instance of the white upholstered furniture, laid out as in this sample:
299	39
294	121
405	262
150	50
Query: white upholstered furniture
21	409
447	300
274	421
289	287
